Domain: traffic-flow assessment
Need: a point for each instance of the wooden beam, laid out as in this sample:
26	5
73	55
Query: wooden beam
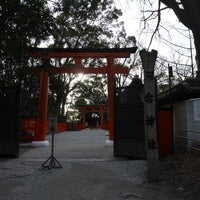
81	53
78	69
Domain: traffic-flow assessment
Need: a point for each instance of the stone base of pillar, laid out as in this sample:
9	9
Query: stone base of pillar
44	143
197	74
106	133
109	143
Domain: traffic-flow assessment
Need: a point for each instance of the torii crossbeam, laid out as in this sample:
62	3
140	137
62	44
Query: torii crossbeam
77	54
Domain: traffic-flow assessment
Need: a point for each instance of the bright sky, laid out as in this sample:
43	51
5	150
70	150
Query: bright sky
132	17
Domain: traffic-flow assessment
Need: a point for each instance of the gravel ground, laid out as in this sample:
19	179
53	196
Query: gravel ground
182	172
91	173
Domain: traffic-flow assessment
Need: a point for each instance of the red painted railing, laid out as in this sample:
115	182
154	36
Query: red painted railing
27	128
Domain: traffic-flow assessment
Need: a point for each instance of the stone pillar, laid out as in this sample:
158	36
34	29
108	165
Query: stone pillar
150	116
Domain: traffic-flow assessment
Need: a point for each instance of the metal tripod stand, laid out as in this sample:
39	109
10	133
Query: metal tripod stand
52	162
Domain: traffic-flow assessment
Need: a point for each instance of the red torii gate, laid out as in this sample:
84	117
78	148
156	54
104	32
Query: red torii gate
77	55
101	109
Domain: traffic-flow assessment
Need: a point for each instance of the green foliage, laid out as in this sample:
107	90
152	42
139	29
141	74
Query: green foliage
74	24
85	24
23	23
29	96
91	91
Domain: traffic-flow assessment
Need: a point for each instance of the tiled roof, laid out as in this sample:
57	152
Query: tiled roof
187	89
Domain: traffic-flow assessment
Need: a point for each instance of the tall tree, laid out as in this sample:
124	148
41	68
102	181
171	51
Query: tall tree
88	23
91	91
23	23
85	24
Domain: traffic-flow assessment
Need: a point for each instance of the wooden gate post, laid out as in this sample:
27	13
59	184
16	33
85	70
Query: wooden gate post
150	117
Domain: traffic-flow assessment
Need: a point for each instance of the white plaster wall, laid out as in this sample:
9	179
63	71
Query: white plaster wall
193	120
193	123
179	117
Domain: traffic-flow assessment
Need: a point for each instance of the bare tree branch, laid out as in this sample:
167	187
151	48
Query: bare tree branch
155	11
157	26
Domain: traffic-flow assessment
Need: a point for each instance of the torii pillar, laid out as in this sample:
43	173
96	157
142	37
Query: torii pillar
41	121
42	108
110	78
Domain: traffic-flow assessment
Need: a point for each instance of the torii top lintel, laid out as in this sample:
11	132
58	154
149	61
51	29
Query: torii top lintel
81	53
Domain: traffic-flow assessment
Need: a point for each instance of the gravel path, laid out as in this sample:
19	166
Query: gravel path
89	172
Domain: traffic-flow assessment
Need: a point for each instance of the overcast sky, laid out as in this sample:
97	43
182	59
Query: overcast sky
172	31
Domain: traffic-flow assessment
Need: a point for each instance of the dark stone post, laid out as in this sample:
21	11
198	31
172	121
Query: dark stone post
148	63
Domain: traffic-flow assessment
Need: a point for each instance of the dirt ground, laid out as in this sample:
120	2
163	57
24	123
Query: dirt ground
182	171
90	172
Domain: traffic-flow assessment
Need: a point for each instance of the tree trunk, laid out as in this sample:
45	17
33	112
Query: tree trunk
62	113
196	35
188	12
192	10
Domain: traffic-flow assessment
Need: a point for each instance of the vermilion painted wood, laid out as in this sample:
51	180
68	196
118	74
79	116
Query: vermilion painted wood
93	108
41	122
88	70
77	54
81	53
